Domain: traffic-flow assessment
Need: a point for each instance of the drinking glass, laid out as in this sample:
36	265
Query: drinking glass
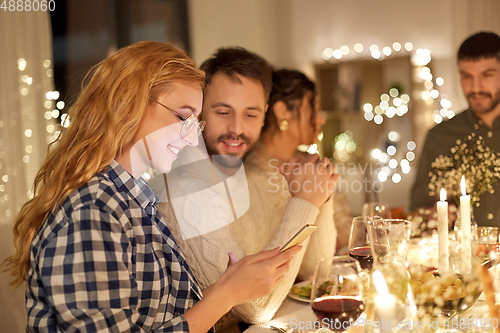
359	245
381	209
389	243
486	241
389	239
337	292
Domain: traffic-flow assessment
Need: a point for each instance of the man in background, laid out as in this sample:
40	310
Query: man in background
479	67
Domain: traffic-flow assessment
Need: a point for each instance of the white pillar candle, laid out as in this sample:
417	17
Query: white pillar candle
442	210
466	228
385	303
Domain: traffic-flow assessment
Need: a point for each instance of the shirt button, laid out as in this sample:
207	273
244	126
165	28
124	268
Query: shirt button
490	216
177	314
476	126
490	134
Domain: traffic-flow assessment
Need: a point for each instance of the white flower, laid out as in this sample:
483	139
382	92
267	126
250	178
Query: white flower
479	164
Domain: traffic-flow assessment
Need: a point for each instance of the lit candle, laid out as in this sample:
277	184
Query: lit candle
385	303
442	210
466	230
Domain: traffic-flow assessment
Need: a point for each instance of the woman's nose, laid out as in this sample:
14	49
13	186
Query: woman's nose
191	138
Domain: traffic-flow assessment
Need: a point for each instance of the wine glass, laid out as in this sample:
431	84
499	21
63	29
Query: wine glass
359	245
337	292
377	209
485	241
389	238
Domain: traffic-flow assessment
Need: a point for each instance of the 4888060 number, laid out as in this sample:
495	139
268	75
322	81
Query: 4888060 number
478	323
28	5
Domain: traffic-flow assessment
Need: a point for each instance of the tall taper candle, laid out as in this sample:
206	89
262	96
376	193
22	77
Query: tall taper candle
442	210
466	228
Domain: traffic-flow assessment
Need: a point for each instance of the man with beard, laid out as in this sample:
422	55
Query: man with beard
234	107
479	67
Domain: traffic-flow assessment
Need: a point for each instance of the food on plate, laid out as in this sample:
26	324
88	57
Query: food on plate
303	291
428	287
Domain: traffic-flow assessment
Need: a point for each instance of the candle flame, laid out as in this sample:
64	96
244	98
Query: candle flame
380	284
462	186
442	195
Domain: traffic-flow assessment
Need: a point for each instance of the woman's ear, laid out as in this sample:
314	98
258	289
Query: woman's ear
281	111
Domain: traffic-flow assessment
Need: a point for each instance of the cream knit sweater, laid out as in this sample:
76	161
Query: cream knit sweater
273	217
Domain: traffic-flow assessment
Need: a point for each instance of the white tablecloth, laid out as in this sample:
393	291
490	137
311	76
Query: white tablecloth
294	314
289	314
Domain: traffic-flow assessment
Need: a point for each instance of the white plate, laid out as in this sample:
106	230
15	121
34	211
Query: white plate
297	297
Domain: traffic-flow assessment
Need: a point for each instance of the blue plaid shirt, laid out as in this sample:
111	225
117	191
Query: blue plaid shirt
104	261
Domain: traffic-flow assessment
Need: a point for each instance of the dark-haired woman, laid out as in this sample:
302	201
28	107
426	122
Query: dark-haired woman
293	119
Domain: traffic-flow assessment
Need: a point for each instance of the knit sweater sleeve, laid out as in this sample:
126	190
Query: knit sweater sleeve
297	213
207	253
198	224
322	243
342	216
273	218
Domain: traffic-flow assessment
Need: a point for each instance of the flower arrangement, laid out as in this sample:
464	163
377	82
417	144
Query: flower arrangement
471	158
424	220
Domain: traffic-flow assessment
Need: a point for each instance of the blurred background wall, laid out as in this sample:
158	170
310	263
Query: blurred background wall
295	33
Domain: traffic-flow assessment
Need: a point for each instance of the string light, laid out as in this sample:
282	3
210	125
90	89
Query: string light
345	50
21	64
420	58
396	104
344	146
26	83
396	178
327	53
390	105
393	168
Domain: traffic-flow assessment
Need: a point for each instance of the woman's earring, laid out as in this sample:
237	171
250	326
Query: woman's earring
284	125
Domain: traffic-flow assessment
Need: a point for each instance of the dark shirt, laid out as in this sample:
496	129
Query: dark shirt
439	141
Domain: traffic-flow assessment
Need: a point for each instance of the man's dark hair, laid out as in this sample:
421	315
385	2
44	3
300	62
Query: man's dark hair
290	87
238	61
481	45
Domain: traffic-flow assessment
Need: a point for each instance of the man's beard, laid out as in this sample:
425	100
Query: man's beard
494	102
228	160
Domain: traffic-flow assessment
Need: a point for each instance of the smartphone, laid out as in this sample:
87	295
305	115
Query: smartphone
299	237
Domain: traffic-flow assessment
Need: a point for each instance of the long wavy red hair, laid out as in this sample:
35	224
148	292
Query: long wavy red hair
106	116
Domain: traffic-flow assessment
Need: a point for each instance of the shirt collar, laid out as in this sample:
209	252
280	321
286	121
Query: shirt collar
137	189
496	123
472	119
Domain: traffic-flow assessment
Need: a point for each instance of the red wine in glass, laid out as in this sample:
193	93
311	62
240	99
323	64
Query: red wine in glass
338	310
364	255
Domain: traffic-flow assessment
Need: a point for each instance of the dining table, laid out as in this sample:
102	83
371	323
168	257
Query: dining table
296	316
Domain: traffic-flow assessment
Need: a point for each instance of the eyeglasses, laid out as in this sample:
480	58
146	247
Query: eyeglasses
189	123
